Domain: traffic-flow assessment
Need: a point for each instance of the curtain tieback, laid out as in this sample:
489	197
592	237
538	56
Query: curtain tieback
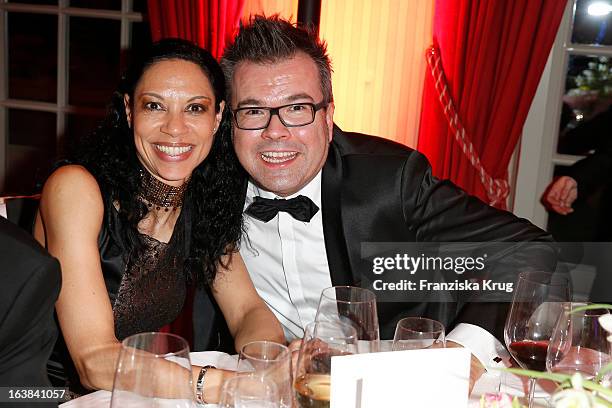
497	188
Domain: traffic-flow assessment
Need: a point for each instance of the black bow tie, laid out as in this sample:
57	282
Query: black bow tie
301	208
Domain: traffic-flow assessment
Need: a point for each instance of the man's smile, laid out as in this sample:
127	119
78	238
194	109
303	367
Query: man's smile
278	157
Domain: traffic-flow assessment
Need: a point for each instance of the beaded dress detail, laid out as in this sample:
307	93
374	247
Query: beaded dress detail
148	291
152	290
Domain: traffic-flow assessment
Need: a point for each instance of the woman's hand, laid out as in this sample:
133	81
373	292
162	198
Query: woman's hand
213	381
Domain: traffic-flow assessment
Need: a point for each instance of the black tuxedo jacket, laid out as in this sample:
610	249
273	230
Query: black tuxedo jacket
30	281
375	190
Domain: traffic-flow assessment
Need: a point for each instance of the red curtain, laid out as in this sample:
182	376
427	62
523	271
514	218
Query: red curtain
492	54
209	23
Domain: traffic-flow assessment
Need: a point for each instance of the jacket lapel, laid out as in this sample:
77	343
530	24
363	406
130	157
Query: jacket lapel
335	241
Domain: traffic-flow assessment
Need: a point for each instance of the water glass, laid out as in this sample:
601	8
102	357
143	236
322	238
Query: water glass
249	390
153	370
354	306
272	361
413	333
578	343
322	341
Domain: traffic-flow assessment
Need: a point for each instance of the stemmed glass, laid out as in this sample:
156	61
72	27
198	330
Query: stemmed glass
153	370
249	391
536	306
578	343
354	306
271	361
412	333
322	341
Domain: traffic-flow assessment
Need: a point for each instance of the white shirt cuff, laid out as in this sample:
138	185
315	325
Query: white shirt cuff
482	344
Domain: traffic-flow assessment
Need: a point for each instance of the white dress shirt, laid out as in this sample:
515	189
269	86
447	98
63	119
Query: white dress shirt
287	262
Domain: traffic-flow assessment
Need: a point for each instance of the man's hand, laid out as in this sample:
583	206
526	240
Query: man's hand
294	349
560	195
476	369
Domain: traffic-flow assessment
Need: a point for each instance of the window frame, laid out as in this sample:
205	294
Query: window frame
61	108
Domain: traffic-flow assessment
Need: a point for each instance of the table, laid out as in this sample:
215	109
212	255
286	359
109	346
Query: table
101	399
491	381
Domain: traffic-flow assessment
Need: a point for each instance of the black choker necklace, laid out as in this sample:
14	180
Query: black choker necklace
159	194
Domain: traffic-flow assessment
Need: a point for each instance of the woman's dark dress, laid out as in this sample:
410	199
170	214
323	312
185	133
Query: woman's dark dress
148	292
145	293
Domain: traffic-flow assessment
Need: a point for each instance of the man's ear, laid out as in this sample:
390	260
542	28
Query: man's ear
128	109
219	115
329	119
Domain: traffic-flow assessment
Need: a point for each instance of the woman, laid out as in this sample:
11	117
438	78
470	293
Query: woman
153	203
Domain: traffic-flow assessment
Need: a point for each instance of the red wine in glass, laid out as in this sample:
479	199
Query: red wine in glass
530	354
536	306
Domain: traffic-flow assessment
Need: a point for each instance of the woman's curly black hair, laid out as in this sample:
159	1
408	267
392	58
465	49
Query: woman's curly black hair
214	195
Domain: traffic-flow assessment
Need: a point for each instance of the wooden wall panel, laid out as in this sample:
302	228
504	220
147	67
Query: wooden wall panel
286	8
377	49
378	56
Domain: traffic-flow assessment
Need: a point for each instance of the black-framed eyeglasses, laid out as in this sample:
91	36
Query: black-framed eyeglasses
292	115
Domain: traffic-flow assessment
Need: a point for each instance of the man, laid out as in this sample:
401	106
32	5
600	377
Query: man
367	189
30	280
587	176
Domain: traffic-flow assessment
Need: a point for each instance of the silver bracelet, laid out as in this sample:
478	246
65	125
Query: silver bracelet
200	383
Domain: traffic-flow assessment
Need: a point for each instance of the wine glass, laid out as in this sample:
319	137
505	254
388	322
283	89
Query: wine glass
412	333
272	361
153	370
578	343
354	306
536	306
322	341
249	390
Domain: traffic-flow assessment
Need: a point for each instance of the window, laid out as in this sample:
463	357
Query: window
61	61
575	90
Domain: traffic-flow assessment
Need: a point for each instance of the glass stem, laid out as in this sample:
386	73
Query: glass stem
531	385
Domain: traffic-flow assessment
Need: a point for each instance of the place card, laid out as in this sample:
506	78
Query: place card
398	379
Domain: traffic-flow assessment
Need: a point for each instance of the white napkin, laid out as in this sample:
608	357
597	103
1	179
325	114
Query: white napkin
215	358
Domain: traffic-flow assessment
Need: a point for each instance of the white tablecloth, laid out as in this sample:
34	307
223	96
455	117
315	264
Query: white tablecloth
492	381
101	399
